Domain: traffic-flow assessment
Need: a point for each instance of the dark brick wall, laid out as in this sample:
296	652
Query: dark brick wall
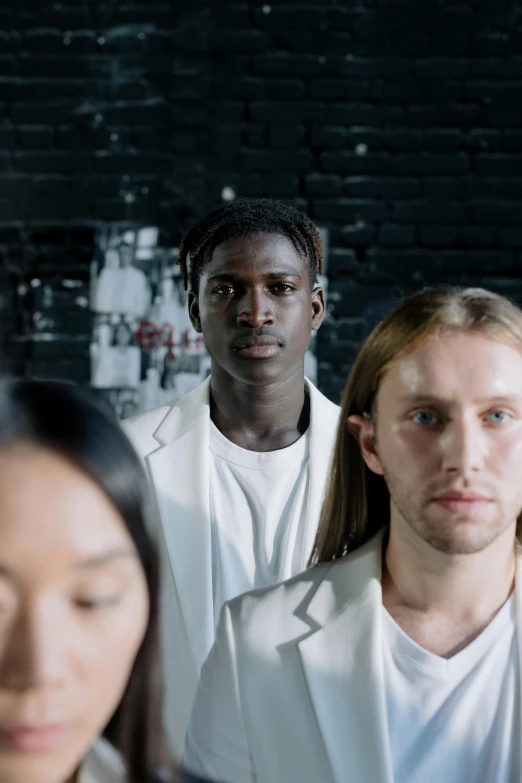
397	125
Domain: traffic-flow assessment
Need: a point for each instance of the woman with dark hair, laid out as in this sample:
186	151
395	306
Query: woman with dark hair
79	691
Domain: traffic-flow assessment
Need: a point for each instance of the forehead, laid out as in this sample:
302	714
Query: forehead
455	367
254	253
50	509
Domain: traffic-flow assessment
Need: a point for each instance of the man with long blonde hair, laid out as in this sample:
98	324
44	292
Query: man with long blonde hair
397	657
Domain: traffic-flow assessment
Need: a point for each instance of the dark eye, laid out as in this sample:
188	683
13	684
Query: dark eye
282	288
223	290
95	604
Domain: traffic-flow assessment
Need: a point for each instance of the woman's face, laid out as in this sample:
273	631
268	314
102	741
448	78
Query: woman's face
73	612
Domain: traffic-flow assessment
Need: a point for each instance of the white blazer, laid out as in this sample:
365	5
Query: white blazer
293	689
103	764
174	443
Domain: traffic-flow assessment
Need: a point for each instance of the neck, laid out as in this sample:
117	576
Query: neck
443	601
259	418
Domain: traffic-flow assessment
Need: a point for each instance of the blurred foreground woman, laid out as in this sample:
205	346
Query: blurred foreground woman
78	595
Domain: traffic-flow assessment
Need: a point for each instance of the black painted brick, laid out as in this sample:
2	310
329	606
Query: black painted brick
391	235
373	163
484	139
513	140
437	235
293	15
290	136
429	211
278	184
255	135
272	111
323	185
282	64
239	41
274	160
499	165
477	236
400	128
285	89
344	210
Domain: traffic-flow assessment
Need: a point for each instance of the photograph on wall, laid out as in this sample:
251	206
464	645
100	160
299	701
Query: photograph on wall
144	350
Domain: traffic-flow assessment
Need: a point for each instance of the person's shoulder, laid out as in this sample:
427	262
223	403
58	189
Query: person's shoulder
273	615
141	428
147	431
319	400
103	764
272	609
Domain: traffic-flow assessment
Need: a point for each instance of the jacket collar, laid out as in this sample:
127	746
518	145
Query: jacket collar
342	661
184	414
179	472
103	764
196	404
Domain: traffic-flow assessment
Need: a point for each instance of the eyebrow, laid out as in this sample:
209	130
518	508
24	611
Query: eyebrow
96	561
235	278
430	399
108	557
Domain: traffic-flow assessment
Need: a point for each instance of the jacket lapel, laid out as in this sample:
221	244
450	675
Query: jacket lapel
180	477
342	661
179	472
518	608
324	418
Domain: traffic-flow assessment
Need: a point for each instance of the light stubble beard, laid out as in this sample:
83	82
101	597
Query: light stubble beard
455	535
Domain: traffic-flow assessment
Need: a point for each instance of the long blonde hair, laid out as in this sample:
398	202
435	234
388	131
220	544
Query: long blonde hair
357	502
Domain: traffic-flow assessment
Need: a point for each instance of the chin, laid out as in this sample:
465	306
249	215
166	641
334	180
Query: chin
466	537
35	770
257	373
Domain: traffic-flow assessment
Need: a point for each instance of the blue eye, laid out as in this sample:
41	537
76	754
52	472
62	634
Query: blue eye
424	417
498	417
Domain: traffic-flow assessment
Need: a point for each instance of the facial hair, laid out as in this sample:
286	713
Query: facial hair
453	535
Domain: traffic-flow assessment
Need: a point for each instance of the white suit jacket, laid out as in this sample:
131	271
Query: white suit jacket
293	689
103	764
174	443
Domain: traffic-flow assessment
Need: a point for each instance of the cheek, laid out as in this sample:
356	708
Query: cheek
108	663
402	447
505	453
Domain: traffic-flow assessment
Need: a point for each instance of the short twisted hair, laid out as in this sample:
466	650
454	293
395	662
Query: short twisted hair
244	217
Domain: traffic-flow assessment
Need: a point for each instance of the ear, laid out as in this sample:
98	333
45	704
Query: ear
193	308
317	308
363	430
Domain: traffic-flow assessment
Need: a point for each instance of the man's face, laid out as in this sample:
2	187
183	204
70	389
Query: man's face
255	308
449	441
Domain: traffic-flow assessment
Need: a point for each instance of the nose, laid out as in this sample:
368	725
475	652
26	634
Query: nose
463	446
255	309
33	650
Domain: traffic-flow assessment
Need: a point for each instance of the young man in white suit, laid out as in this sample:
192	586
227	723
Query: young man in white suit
239	465
396	658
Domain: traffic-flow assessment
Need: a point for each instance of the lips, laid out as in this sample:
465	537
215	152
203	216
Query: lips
257	346
464	496
462	502
255	341
33	739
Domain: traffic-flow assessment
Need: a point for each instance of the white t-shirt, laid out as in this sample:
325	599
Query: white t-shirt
257	513
458	719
